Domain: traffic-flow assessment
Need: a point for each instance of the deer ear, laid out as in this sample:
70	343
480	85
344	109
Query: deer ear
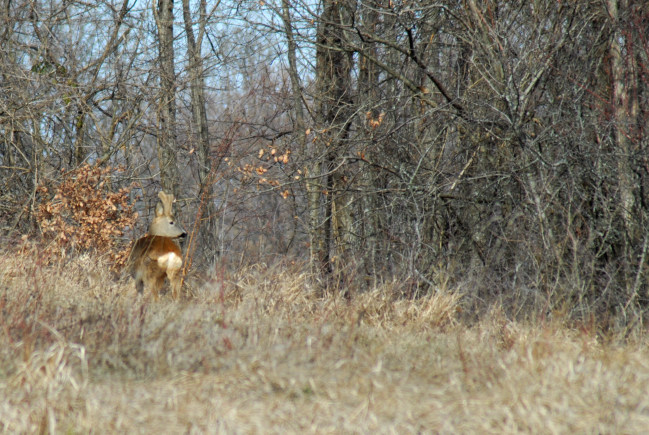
159	209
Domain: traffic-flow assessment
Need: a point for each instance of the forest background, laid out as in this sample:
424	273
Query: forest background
496	146
404	216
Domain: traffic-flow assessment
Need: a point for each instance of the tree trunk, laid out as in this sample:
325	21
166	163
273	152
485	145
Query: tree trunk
200	131
296	86
333	83
312	180
164	17
622	124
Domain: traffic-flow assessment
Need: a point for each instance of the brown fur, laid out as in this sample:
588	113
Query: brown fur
157	256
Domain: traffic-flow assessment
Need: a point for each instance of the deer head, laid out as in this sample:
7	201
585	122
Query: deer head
164	223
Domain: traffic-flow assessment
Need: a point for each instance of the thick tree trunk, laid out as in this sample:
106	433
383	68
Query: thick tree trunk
329	211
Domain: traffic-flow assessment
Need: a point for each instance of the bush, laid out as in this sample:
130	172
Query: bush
85	214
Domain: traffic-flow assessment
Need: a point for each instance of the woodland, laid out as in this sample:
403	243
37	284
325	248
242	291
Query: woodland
495	146
402	216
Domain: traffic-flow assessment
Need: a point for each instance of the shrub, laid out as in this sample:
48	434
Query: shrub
85	214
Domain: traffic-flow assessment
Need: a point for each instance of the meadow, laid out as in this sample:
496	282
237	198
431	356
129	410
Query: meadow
260	350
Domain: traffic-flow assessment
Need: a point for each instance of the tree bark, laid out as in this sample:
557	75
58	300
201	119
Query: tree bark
328	202
200	132
164	17
621	115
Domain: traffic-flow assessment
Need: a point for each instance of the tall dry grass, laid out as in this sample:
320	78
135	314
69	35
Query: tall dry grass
259	350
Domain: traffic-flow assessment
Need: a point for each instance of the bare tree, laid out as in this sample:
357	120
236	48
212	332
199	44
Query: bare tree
208	161
167	151
328	206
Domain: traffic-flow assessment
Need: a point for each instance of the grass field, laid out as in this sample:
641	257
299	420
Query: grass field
260	351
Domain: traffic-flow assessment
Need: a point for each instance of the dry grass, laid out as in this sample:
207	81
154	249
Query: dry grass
262	352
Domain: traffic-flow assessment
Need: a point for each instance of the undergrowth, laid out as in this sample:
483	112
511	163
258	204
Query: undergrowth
259	349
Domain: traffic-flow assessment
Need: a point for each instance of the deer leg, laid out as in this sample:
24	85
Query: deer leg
153	280
158	282
139	286
171	264
171	276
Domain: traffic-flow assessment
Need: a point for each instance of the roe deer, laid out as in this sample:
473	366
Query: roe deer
157	255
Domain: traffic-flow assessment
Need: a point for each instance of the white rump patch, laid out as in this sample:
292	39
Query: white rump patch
170	261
